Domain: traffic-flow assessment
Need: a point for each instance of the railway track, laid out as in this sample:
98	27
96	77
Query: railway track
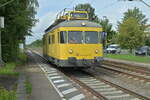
128	67
104	89
99	88
133	72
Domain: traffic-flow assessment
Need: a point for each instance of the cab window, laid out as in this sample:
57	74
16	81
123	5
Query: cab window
75	37
91	37
63	37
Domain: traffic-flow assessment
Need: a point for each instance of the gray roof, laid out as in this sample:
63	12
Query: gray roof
74	23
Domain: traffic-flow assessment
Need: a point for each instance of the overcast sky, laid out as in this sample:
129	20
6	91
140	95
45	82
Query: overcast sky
113	9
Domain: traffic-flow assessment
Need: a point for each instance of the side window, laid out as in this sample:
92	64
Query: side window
53	39
49	39
63	37
100	37
43	40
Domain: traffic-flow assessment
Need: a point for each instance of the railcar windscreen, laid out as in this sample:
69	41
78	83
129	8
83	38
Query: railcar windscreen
91	37
75	37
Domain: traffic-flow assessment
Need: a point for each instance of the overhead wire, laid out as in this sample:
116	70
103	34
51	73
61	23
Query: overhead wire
145	3
107	6
71	2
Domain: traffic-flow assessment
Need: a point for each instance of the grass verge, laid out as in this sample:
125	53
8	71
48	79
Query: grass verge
129	57
9	69
7	95
22	58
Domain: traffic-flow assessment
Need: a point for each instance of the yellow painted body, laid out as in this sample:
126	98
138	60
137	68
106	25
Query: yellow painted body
80	51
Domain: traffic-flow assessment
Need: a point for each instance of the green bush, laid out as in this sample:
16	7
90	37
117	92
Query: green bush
7	95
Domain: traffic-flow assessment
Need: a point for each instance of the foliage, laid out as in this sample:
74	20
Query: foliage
131	36
22	58
28	86
19	19
7	95
147	37
8	69
147	41
114	39
129	57
138	15
107	27
141	19
37	43
91	11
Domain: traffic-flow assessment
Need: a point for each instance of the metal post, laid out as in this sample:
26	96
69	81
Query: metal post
1	26
1	61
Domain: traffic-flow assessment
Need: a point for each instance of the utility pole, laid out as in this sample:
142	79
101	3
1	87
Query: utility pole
1	26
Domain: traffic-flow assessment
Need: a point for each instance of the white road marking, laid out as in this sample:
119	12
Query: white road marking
96	84
56	77
91	81
118	96
101	86
52	71
77	97
141	80
148	83
136	79
130	77
59	81
106	89
53	74
60	94
63	85
88	80
111	92
147	76
135	99
69	91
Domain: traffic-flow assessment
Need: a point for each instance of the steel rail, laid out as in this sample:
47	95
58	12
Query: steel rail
129	74
95	93
128	67
98	95
119	87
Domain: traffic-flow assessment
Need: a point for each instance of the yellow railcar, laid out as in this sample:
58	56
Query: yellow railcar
73	43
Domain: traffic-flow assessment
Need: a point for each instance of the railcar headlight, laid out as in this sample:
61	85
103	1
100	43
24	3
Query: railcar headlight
96	51
70	51
83	24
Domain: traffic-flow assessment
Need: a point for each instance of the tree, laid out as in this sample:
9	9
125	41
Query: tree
107	27
141	20
131	36
36	43
91	11
136	13
19	19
